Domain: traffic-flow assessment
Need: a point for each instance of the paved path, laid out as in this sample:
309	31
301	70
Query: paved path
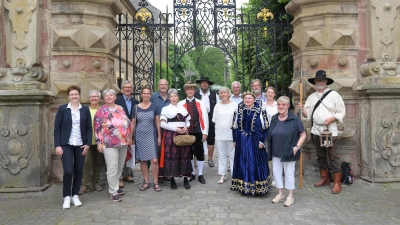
212	203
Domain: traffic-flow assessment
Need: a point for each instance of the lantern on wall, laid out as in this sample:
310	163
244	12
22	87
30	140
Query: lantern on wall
325	139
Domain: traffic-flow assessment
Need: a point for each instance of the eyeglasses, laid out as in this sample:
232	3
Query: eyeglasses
163	85
127	87
73	95
94	97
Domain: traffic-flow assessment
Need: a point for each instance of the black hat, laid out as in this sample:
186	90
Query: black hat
205	79
321	74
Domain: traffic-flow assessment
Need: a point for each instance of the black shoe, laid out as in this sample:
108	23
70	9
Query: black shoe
192	177
186	183
201	179
173	184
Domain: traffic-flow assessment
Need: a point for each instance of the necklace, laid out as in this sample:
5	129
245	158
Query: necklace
248	112
282	116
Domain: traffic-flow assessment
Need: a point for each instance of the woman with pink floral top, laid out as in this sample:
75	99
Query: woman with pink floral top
112	130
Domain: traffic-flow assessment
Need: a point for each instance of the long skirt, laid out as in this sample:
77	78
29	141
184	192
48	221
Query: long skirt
250	169
176	158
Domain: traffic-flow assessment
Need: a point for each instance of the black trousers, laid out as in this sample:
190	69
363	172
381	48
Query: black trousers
197	147
72	160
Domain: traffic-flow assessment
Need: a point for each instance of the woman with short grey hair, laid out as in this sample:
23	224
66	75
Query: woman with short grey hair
285	138
113	136
94	159
175	160
222	117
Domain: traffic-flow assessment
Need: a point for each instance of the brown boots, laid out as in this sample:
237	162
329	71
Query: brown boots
337	183
337	180
324	178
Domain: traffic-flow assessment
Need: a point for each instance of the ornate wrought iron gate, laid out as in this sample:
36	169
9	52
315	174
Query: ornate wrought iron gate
257	45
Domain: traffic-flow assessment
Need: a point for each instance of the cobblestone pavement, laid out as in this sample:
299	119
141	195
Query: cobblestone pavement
212	203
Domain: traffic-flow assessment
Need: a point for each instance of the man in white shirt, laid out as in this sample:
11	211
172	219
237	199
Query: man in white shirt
198	128
210	99
236	95
325	114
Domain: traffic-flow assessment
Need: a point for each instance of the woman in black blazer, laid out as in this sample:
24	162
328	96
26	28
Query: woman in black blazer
72	139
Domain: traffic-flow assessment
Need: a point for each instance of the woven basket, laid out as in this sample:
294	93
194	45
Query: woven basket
184	140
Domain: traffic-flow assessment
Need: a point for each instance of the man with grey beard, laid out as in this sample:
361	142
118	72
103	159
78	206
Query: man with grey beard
325	108
256	89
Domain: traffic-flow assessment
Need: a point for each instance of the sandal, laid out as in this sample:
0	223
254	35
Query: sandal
145	186
157	187
222	180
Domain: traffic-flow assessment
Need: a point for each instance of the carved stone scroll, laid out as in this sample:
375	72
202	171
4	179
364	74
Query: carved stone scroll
20	14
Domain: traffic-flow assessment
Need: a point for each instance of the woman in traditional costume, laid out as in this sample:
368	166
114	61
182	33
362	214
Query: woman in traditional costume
250	129
175	160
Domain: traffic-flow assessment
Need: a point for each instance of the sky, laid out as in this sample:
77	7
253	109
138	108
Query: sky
162	4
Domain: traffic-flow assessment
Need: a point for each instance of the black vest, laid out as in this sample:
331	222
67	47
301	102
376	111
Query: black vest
213	101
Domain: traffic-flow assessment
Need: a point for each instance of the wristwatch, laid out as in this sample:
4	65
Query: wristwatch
298	147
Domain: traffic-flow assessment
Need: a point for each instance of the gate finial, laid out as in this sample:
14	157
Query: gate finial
265	14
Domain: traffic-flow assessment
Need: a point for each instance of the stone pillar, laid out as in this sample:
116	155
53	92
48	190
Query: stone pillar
24	100
82	47
326	37
379	91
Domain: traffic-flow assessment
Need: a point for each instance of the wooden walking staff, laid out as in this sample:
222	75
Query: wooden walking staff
301	102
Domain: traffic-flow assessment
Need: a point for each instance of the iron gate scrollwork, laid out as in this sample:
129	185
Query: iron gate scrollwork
257	45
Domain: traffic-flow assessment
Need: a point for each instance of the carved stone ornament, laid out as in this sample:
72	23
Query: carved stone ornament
20	14
17	74
314	62
15	149
386	14
388	140
380	68
67	63
342	61
96	64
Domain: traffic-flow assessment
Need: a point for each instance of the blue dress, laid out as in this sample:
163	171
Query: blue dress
250	168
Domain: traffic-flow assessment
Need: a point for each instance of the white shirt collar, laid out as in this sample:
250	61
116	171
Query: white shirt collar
190	99
69	105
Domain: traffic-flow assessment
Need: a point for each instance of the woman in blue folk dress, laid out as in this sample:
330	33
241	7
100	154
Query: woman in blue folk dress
250	129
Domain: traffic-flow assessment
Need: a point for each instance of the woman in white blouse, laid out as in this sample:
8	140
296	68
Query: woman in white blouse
270	105
175	160
222	117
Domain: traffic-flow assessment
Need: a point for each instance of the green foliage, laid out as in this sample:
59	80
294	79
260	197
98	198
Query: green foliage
210	62
273	51
161	71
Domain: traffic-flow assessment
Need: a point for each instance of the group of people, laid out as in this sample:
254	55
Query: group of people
249	128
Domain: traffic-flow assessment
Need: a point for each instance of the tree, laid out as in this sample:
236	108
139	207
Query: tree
210	62
265	56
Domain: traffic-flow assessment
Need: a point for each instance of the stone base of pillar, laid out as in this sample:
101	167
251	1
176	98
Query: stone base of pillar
24	134
380	130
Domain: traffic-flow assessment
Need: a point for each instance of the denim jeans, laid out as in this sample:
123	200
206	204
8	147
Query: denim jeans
72	160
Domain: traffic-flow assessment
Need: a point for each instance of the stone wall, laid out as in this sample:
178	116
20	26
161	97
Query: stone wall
326	37
355	42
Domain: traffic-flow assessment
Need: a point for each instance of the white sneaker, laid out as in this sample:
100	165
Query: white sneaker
75	201
67	202
273	183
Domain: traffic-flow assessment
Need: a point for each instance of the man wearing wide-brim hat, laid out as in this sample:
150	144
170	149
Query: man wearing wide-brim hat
210	99
325	108
198	127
